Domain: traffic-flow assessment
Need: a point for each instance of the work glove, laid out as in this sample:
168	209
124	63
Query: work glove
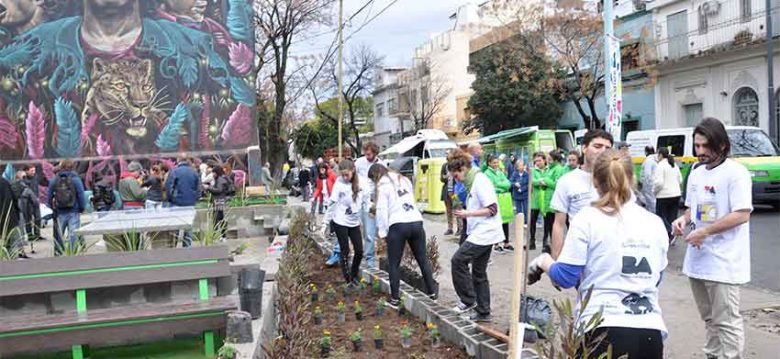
535	270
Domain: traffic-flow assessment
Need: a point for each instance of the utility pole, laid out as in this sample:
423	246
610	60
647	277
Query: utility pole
770	49
340	74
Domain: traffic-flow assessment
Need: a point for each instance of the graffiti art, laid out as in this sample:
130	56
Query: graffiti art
108	78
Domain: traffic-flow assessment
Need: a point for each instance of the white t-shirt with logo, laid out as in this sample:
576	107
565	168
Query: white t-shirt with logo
362	165
483	231
573	192
342	208
623	256
395	203
712	194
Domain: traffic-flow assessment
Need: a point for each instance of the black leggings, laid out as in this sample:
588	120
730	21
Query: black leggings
220	226
397	237
505	227
548	224
346	235
667	209
637	343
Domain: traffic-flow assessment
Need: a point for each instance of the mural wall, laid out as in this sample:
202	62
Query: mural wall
109	78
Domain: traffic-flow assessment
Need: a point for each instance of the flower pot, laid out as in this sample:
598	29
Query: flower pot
318	319
359	316
401	311
379	344
324	352
341	317
315	297
345	292
435	342
357	346
331	296
406	342
380	312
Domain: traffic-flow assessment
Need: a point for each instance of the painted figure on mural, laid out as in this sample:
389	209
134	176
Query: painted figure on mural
116	77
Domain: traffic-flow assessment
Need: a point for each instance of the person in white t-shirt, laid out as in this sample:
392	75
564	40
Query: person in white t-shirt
400	222
575	190
717	260
617	249
362	165
343	209
483	230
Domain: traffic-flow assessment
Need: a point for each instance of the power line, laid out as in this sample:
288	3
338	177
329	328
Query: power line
369	2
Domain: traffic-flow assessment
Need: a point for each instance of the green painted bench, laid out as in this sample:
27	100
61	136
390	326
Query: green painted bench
70	303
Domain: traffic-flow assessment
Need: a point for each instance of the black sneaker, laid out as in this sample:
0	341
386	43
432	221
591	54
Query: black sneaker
509	248
546	249
481	318
393	303
532	247
448	232
498	248
434	297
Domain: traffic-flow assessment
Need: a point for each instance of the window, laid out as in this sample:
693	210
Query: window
693	114
391	108
629	56
703	24
745	10
677	31
379	111
751	143
675	144
746	107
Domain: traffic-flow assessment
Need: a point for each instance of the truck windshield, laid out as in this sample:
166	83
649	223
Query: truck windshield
751	143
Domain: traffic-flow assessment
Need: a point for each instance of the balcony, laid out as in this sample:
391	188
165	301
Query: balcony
712	26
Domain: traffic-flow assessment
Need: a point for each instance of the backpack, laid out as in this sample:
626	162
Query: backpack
230	189
105	195
64	193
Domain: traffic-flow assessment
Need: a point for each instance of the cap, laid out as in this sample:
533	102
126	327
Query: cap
134	166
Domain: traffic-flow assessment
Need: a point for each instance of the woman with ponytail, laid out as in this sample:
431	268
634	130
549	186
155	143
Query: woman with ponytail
666	184
399	222
343	209
618	250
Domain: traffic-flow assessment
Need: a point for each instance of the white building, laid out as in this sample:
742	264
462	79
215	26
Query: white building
712	61
387	123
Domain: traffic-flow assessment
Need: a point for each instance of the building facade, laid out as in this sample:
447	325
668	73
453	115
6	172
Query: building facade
712	62
388	122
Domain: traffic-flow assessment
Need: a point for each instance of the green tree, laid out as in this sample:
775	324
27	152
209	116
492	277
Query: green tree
313	137
515	86
359	108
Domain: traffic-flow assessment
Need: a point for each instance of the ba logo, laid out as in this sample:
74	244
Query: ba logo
630	266
349	211
402	192
407	207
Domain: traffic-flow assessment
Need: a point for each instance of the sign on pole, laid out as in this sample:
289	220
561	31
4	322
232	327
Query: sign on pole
614	90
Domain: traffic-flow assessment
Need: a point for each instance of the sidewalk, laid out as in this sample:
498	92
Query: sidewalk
686	329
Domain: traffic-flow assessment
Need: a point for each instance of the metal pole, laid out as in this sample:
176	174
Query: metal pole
770	49
608	33
340	75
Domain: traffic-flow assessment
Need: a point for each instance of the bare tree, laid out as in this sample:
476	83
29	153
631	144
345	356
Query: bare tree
277	23
423	94
358	82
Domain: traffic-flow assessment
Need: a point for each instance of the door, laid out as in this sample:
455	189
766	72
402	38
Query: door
775	18
693	114
677	31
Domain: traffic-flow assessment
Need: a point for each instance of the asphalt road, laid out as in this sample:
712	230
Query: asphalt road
764	249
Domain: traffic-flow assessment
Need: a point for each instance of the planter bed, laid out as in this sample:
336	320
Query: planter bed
236	202
389	323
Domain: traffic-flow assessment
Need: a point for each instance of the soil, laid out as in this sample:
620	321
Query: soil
389	323
766	319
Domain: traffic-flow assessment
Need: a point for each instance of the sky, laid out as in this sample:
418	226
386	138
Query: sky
395	33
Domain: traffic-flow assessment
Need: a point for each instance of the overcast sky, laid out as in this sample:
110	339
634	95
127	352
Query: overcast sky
395	33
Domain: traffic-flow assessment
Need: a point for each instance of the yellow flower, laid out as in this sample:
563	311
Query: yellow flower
362	280
376	327
430	325
326	333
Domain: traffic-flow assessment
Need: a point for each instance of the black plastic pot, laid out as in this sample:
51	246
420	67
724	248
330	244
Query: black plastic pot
359	316
342	317
315	297
380	312
379	344
250	284
324	352
357	346
317	319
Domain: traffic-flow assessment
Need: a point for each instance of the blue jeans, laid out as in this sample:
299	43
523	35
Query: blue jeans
521	206
369	237
67	222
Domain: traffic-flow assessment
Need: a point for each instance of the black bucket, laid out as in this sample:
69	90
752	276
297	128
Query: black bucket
250	290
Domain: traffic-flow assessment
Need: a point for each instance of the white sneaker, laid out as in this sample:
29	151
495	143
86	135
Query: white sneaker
463	308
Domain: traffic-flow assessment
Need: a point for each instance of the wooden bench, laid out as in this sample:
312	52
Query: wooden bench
82	284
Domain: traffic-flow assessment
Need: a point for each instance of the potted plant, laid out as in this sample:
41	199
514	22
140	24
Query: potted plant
406	335
317	315
434	335
345	290
357	340
379	343
402	307
340	312
226	352
358	311
376	286
315	293
363	285
330	293
325	343
380	307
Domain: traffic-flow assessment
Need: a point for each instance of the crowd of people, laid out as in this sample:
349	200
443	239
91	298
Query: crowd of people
68	198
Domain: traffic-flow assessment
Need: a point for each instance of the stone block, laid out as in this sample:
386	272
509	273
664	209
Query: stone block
493	349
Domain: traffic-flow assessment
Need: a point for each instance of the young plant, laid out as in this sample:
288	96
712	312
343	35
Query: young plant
130	241
317	315
340	315
358	311
402	307
357	340
406	334
345	290
340	308
227	352
569	338
314	291
8	249
380	307
377	332
433	334
376	286
325	341
363	285
330	292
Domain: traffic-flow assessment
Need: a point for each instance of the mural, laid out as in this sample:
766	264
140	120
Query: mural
118	78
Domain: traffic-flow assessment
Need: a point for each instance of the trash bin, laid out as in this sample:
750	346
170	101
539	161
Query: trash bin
250	290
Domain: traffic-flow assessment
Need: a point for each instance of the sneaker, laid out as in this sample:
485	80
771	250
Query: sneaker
448	232
509	248
332	260
463	307
481	318
532	247
498	248
546	249
434	297
393	303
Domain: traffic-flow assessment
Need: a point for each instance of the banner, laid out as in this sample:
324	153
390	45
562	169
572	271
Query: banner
614	87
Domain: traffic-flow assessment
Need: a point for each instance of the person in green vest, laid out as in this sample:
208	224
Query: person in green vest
502	186
555	170
538	204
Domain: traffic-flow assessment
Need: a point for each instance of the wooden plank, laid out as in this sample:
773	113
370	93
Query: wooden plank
113	279
516	330
112	260
111	336
19	323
